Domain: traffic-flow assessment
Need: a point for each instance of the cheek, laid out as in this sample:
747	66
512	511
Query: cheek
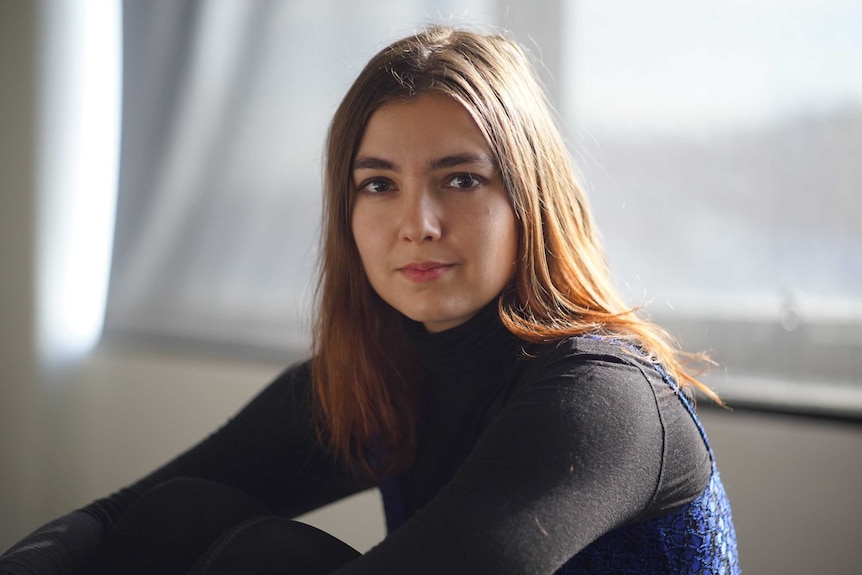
365	236
510	252
506	226
501	243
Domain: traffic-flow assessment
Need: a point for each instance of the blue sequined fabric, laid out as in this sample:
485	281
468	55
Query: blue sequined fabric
698	538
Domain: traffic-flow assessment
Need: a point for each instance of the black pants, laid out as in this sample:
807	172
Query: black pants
194	527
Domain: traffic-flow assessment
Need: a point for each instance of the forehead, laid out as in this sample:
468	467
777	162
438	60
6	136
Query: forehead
427	124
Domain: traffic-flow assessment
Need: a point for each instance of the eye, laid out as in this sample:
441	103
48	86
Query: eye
374	186
465	181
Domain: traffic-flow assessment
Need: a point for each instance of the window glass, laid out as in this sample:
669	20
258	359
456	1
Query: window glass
721	143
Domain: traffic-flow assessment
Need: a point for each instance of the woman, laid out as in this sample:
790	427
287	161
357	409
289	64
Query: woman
471	358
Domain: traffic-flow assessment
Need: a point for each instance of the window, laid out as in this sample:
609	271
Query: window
721	146
719	143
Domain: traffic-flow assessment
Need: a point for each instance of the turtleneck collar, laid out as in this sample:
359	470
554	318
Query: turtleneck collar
475	345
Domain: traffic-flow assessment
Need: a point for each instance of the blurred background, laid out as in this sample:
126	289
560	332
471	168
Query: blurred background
160	166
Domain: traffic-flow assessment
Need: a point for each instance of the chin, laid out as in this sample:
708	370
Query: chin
431	316
442	322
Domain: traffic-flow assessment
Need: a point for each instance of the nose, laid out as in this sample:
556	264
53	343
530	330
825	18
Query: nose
420	217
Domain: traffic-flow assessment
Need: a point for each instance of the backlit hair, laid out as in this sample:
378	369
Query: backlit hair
362	367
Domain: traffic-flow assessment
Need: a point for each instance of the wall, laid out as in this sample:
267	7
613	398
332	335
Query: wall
20	406
102	424
794	487
124	412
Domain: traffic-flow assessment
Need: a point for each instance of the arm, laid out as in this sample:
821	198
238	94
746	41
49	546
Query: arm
59	547
575	452
269	450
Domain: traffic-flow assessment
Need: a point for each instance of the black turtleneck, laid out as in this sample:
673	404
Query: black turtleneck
528	453
523	458
464	370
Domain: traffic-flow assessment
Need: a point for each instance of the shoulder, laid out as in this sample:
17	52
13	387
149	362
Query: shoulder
592	364
603	381
584	349
288	394
295	376
606	386
581	389
603	384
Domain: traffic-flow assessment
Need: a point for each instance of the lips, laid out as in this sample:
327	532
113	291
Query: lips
424	271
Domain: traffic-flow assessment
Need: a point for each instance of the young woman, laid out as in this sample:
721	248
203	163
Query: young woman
471	358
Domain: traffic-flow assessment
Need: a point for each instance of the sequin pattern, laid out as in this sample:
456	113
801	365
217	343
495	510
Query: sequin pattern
699	538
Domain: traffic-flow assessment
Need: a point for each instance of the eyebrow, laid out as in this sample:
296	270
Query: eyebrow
450	161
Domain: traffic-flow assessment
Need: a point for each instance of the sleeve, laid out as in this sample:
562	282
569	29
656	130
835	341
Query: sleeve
59	547
575	452
268	450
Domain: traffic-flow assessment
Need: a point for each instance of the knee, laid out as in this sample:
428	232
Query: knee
270	545
202	494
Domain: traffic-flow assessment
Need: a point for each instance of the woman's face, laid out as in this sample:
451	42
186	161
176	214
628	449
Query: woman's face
431	219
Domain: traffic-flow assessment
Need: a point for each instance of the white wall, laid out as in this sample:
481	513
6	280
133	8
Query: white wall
793	483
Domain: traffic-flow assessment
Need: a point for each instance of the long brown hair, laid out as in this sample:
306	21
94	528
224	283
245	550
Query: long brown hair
362	368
